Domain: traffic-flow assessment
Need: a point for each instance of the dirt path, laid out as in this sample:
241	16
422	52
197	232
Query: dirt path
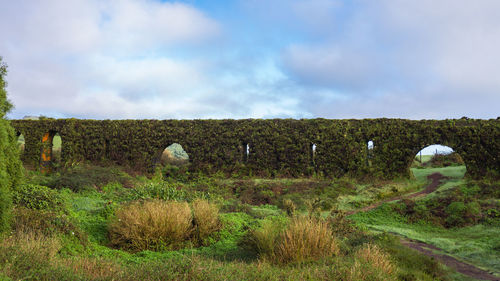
428	250
459	266
436	181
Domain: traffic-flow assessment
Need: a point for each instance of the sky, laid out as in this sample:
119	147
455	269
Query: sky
200	59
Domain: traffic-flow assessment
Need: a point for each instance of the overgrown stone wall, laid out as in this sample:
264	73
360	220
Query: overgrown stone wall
278	147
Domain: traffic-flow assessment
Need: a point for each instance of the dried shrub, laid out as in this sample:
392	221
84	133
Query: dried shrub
47	223
373	255
304	239
151	225
206	219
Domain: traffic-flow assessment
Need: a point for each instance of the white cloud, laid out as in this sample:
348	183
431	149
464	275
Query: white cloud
412	58
93	58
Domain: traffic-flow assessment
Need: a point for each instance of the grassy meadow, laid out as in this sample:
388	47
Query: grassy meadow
89	222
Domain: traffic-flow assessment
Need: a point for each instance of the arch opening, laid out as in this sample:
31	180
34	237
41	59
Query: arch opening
56	149
51	151
313	154
21	143
369	153
174	155
438	158
245	152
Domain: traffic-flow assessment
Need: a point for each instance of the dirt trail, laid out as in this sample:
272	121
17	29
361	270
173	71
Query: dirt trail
428	250
459	266
436	181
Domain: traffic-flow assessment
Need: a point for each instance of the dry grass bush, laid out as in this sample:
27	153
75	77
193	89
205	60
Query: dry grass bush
44	222
151	225
206	219
371	263
306	238
93	269
35	244
33	255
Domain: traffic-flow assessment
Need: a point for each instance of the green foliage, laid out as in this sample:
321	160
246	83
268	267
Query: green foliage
445	160
81	177
38	197
44	222
277	147
10	166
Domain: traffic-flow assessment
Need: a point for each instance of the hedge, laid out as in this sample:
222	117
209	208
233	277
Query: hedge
278	147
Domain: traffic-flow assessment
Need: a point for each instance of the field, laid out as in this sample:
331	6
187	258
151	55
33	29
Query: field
99	223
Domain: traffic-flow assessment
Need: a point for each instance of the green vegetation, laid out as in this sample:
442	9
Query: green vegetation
461	217
10	165
199	228
277	148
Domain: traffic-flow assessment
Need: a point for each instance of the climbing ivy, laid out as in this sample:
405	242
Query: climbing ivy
277	147
10	166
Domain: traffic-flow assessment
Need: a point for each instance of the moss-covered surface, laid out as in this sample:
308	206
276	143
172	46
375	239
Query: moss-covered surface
277	147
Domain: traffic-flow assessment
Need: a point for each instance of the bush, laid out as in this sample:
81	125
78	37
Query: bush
158	190
151	225
10	165
206	219
82	177
47	223
456	213
445	160
373	255
303	239
38	197
263	240
306	239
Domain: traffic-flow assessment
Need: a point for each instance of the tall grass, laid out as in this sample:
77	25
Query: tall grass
206	219
303	239
151	225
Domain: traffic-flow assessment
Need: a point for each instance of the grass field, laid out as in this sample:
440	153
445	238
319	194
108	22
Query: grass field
478	244
62	223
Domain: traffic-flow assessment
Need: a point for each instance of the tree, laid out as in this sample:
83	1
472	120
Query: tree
10	165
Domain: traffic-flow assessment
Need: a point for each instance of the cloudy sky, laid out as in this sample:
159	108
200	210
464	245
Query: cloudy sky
117	59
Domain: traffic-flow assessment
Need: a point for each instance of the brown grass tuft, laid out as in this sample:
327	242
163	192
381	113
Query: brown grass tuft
304	239
371	263
373	255
206	219
151	225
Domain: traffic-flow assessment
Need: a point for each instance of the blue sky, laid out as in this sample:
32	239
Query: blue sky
118	59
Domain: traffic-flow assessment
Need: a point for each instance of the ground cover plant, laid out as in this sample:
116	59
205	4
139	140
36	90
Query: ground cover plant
196	227
461	218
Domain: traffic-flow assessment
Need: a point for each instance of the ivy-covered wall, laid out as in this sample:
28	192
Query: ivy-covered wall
277	147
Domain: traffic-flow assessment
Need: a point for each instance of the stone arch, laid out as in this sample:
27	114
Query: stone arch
47	151
173	154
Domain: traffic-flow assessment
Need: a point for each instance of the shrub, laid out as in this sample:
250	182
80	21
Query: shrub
289	207
373	255
263	240
305	239
151	225
206	219
82	177
10	165
48	223
158	190
302	239
455	212
38	197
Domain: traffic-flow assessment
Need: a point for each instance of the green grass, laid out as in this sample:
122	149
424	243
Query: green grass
478	244
226	257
